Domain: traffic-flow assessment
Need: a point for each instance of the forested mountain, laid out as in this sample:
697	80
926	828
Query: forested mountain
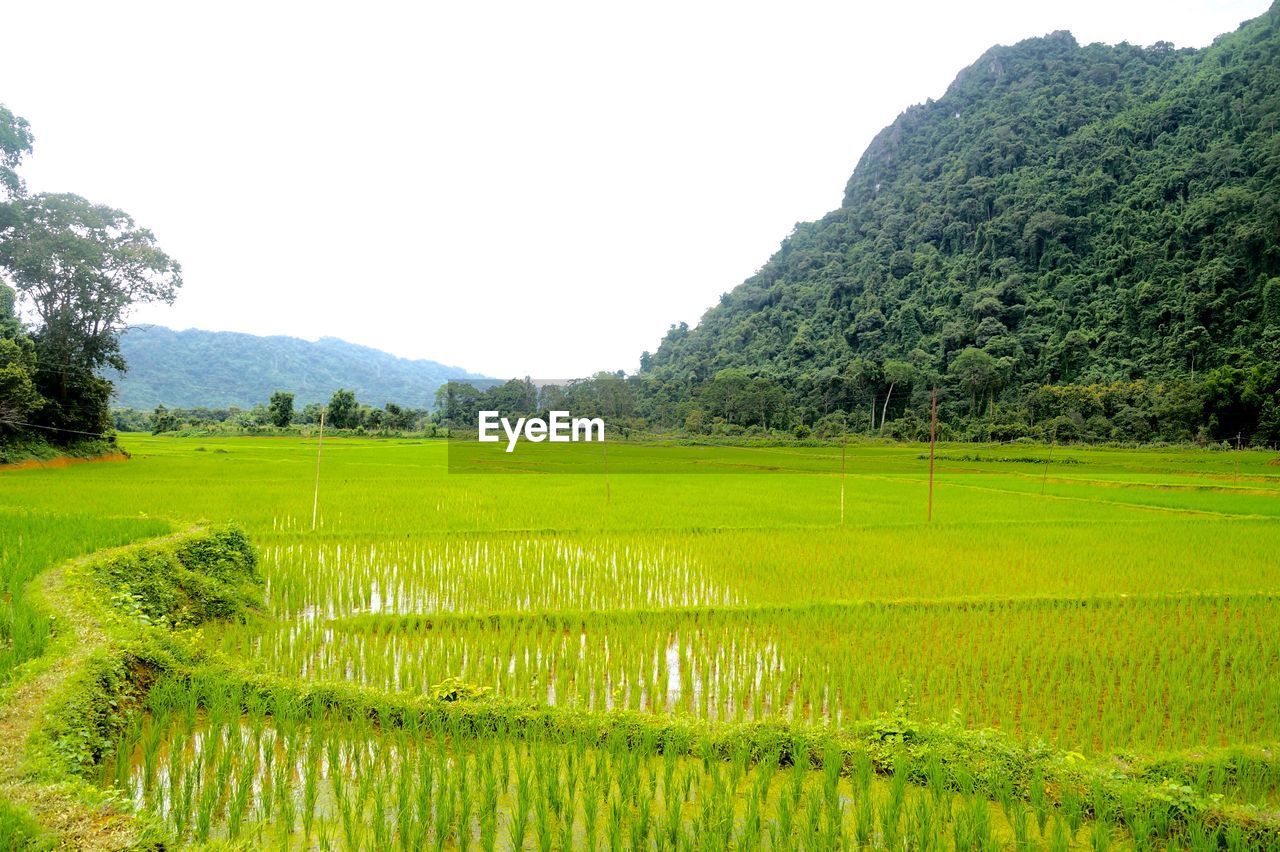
194	368
1089	233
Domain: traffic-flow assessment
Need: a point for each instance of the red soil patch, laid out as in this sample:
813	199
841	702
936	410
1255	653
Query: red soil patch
60	461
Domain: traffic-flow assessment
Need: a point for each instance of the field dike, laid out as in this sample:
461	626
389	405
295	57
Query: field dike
127	618
119	617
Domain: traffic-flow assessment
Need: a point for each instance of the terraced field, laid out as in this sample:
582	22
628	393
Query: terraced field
1079	650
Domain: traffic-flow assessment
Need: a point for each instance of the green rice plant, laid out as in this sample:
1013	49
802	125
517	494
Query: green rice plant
1072	809
446	803
465	803
613	828
811	832
640	824
520	815
1060	839
1039	799
799	772
19	830
892	809
784	821
286	810
727	606
750	835
594	790
1020	820
924	833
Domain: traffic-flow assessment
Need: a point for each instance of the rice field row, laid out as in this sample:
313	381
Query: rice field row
279	778
467	575
336	575
1088	676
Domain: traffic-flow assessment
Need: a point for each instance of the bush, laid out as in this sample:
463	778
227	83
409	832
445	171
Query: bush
208	577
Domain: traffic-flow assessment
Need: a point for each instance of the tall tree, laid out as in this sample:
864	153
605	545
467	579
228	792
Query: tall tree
81	267
344	411
15	143
975	371
280	409
896	373
18	394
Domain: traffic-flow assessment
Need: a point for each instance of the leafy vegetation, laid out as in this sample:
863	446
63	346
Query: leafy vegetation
78	267
1074	241
810	644
31	541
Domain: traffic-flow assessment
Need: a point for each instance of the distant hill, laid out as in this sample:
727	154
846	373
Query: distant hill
192	368
1065	216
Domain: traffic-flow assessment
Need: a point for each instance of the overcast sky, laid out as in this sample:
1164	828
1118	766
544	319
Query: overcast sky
515	188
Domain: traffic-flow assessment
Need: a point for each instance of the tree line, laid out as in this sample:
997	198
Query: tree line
343	412
891	400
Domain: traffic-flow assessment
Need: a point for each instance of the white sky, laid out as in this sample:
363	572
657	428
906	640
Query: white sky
515	188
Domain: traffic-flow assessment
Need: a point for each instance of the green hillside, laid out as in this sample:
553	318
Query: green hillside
1087	233
188	369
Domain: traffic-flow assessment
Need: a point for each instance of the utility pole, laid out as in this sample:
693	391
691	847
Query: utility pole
1045	479
604	454
315	504
933	437
843	440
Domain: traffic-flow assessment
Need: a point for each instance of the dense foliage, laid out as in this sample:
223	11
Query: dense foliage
78	268
1086	233
343	412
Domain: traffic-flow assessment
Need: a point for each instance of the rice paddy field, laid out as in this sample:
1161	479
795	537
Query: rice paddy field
776	652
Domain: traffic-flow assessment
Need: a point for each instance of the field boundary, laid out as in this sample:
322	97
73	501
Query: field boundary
59	710
569	618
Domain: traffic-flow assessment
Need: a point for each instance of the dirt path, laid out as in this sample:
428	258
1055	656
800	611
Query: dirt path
61	461
62	806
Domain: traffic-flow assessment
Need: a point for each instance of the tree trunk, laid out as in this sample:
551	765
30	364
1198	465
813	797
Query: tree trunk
884	411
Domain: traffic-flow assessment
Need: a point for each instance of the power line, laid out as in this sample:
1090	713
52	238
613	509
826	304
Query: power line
53	428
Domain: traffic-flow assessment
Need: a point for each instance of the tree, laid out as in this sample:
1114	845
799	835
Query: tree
866	377
280	409
458	403
897	373
19	397
976	371
81	267
15	143
398	418
764	398
18	394
725	395
344	411
163	421
310	413
1271	304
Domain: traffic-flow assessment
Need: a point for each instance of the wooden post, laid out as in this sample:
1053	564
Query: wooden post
315	504
1045	479
608	496
933	437
843	440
